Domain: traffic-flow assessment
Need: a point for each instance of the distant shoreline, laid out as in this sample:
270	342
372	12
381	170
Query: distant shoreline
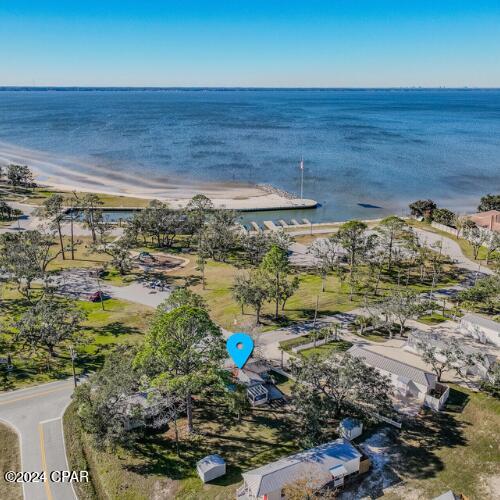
68	174
83	88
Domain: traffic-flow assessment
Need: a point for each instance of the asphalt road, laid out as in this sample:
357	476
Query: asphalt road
36	414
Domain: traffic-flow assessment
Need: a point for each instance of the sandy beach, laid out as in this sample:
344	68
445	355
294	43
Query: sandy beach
68	174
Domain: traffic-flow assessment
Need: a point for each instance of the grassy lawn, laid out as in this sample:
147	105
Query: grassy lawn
38	195
326	349
151	469
120	322
432	319
458	449
301	306
10	459
85	257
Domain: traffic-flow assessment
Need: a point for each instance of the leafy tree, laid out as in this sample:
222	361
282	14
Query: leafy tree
423	208
251	289
353	238
492	244
198	211
450	356
237	400
444	216
119	251
19	175
276	267
390	229
489	202
90	204
403	305
104	401
324	389
47	324
476	237
485	293
492	383
6	211
25	256
218	237
53	209
181	296
255	246
326	256
183	352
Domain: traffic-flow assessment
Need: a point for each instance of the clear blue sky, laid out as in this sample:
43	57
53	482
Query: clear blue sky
337	43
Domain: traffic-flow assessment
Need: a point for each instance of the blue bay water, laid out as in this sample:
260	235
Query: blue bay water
366	153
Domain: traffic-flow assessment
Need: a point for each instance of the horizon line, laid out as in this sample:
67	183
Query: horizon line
229	88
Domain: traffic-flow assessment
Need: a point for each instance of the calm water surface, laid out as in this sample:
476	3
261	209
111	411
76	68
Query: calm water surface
366	153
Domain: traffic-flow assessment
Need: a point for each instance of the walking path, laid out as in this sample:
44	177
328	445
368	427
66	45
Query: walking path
36	414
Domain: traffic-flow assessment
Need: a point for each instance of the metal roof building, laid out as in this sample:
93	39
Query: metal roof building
394	367
325	463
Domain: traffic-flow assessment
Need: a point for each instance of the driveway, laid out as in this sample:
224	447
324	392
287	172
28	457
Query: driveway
35	413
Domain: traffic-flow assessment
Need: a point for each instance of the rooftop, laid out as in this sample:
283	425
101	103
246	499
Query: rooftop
482	321
393	366
319	460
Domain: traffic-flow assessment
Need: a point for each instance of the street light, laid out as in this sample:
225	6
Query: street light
72	353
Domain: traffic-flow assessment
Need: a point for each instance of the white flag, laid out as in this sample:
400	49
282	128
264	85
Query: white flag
301	164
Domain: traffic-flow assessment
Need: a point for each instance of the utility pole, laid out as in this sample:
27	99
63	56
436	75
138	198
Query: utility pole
316	311
72	353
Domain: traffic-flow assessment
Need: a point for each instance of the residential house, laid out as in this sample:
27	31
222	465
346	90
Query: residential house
260	389
488	220
483	329
330	463
408	381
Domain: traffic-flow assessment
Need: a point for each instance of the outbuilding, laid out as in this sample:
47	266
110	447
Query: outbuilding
211	467
350	428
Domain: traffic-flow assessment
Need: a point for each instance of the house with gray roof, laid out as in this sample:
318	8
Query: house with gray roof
483	329
408	381
328	463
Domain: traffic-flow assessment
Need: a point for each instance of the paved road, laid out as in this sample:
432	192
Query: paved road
452	249
36	414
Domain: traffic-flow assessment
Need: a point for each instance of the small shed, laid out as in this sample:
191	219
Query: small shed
350	428
211	467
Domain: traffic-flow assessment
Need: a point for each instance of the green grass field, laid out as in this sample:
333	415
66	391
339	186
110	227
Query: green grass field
120	322
152	468
458	449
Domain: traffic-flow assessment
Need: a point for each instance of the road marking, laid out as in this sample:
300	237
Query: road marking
33	395
44	462
49	420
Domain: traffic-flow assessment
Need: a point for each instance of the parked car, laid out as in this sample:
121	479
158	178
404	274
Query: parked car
96	296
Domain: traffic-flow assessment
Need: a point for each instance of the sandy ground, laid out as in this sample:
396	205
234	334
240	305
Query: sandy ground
68	174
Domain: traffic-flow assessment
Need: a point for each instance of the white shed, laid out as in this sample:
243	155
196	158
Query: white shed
211	467
350	428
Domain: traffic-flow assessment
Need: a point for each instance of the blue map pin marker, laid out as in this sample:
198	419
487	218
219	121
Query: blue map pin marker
240	347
